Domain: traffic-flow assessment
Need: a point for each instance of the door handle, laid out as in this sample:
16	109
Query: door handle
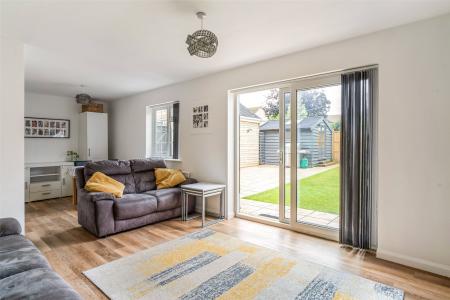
46	193
89	152
44	185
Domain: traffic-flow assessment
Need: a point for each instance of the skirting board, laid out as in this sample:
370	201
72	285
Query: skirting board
414	262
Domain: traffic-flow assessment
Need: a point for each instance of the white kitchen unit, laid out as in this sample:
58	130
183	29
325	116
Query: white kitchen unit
48	180
93	139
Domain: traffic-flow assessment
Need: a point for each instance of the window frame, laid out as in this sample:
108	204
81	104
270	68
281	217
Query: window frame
172	128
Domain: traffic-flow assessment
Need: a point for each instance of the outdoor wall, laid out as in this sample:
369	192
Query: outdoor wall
11	130
249	143
412	187
51	106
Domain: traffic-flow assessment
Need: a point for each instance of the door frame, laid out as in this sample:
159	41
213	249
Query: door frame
296	86
282	159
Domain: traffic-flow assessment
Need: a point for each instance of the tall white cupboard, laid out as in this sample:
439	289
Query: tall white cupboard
93	139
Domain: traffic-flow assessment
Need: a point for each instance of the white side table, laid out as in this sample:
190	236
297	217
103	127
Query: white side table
203	190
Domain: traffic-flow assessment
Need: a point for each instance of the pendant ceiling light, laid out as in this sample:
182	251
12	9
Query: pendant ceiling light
83	98
202	43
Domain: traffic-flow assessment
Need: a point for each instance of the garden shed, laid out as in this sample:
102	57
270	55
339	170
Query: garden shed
249	137
314	138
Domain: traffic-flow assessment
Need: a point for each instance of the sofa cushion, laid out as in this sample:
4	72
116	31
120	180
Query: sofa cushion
167	178
100	182
167	198
17	254
41	283
134	205
119	170
144	173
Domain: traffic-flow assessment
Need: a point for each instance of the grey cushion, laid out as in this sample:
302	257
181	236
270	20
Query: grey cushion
17	254
167	198
134	205
144	173
141	165
119	170
40	283
9	226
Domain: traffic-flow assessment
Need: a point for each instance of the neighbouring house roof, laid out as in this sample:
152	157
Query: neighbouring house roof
259	111
305	123
334	118
246	113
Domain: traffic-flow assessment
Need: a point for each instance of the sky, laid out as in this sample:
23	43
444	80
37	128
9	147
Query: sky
259	98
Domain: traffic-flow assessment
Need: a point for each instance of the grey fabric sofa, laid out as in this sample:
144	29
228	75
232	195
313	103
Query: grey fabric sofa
102	214
24	272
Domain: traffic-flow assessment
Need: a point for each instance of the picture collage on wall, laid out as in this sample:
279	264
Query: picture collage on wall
46	128
200	116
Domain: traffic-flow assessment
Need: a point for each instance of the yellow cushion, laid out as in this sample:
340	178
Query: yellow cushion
166	178
99	182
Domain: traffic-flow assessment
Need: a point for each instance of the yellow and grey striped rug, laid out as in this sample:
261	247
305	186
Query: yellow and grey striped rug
212	265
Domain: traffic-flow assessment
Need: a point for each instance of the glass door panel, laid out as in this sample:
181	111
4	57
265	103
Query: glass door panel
318	145
259	154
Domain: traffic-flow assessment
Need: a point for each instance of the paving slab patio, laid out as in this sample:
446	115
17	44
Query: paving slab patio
254	180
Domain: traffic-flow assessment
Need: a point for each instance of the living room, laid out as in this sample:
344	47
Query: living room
144	152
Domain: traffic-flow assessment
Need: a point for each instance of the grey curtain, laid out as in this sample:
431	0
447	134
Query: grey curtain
358	91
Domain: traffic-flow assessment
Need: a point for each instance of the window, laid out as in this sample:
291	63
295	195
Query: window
162	130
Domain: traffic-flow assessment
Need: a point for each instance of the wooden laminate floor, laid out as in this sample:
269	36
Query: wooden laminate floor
52	225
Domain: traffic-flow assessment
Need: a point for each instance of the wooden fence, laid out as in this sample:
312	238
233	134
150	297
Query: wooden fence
336	146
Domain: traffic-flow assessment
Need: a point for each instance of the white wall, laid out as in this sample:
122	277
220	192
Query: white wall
52	106
413	180
11	129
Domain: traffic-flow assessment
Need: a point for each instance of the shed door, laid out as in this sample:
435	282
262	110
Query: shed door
321	142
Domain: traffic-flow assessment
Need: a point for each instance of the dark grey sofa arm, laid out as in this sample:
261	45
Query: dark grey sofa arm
188	181
9	226
95	196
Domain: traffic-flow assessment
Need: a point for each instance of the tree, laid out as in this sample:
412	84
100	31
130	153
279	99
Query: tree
313	103
272	106
336	126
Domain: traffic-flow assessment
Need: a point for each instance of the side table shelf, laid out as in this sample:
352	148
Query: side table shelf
203	190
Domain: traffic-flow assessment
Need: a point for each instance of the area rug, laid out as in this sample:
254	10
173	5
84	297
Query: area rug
212	265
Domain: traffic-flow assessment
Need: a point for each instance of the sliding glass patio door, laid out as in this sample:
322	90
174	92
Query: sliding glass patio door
289	155
315	154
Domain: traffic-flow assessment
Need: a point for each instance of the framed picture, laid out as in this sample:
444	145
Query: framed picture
200	116
46	128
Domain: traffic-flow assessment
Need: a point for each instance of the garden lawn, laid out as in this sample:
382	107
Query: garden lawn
319	192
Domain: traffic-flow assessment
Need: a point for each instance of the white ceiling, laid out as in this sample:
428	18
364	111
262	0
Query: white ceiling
117	48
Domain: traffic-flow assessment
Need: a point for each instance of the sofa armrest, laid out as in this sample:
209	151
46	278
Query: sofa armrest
95	212
188	181
95	196
9	226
